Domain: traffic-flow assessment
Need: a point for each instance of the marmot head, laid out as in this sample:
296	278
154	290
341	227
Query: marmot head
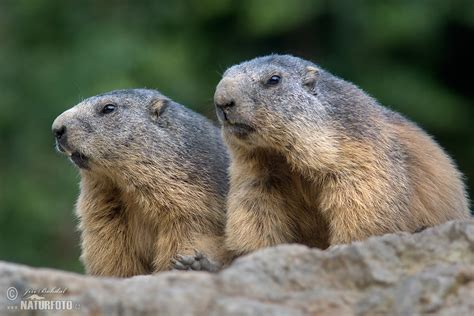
118	128
258	98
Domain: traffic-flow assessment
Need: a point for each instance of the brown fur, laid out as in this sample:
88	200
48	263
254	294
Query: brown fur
153	185
314	160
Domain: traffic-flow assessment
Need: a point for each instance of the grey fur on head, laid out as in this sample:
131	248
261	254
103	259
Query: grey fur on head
306	93
146	129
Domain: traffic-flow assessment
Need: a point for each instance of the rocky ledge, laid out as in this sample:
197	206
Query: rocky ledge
431	272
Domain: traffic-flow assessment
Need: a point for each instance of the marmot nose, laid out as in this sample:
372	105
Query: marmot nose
59	132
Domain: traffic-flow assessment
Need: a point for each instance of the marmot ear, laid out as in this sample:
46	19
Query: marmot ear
311	78
158	106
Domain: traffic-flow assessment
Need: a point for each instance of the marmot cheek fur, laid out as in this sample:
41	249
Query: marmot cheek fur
153	181
315	160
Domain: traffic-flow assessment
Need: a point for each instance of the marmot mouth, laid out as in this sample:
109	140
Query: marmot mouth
76	157
241	130
60	147
79	160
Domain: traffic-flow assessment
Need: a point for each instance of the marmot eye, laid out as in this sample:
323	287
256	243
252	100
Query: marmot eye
108	108
274	80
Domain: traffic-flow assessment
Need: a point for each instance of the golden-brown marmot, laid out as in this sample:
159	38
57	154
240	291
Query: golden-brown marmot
153	182
315	160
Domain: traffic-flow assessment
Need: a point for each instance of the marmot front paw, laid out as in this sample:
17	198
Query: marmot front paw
196	262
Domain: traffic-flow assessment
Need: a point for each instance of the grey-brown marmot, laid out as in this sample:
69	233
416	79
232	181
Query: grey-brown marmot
153	182
315	160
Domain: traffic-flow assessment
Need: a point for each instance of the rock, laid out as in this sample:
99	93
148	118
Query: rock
431	272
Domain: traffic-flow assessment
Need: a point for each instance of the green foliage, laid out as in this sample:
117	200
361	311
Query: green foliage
411	55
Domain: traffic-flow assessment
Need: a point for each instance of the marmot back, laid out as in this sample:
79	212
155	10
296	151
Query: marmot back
315	160
153	181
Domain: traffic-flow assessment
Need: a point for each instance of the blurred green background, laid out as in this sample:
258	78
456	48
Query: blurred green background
414	56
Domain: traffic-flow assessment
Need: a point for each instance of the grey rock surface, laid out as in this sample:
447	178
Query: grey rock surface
431	272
